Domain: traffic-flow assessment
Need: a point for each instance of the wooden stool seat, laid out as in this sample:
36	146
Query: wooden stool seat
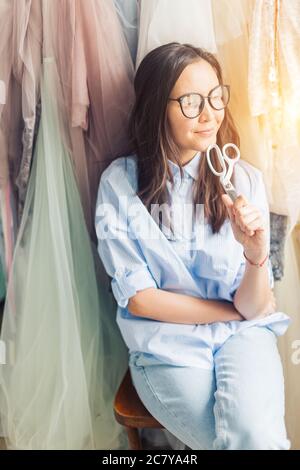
130	412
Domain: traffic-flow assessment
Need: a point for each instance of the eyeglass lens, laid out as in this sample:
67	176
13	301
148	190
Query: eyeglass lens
193	104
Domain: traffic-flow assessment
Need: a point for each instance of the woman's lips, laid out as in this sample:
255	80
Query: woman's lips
208	132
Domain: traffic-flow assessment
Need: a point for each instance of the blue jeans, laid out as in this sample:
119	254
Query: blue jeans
238	405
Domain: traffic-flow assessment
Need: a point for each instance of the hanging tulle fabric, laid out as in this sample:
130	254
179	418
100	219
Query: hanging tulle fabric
9	116
2	263
2	92
9	224
62	17
20	54
26	49
128	11
65	360
274	68
274	84
20	58
231	21
102	86
96	73
186	22
5	74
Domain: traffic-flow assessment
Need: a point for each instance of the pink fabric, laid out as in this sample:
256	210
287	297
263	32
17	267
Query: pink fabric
96	71
102	88
5	76
2	92
20	62
7	227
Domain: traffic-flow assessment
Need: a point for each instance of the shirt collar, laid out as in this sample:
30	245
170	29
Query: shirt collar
191	168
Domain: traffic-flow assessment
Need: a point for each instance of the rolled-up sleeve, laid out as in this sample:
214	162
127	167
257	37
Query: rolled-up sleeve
118	249
127	282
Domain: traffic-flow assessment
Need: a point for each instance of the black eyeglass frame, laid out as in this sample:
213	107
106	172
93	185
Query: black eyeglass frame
201	107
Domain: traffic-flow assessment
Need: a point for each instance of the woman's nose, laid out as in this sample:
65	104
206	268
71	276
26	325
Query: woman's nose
207	112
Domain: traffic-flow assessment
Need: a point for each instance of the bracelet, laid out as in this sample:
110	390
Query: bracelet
259	265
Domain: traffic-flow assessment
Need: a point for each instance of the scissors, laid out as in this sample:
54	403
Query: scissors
226	173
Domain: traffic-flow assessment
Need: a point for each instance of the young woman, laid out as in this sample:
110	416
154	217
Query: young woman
190	269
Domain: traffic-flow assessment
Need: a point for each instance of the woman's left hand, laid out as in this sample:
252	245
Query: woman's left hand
248	226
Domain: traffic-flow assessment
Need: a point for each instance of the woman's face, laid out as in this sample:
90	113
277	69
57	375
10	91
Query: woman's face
196	134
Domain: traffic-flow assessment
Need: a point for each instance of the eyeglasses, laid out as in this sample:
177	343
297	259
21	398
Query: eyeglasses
192	104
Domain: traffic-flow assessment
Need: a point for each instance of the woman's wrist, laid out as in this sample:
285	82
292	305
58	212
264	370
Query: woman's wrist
258	258
237	316
232	312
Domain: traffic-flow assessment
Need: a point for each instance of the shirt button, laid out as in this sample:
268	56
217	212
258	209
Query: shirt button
119	272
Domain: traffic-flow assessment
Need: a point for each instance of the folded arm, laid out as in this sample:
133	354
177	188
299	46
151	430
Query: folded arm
158	304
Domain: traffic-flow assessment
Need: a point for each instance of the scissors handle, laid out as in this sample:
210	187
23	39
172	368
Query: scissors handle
226	173
220	158
230	161
226	157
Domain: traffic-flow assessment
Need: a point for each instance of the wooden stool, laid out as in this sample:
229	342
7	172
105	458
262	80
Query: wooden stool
131	413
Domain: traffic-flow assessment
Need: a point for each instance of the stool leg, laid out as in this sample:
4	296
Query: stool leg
133	438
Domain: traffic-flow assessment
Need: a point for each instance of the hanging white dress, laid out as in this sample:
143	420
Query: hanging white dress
231	22
274	96
162	21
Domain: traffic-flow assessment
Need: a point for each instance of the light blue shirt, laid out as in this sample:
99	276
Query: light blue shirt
137	254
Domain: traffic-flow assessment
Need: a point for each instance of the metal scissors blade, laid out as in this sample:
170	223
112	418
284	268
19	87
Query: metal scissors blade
226	173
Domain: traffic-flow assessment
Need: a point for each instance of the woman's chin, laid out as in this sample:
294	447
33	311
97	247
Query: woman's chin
203	142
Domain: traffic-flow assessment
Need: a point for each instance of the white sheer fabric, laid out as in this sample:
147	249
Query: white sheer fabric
231	20
274	84
190	21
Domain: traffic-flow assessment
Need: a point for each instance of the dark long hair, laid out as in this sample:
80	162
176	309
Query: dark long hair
152	140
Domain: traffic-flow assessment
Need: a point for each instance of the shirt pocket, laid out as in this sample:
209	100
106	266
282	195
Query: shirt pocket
213	267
